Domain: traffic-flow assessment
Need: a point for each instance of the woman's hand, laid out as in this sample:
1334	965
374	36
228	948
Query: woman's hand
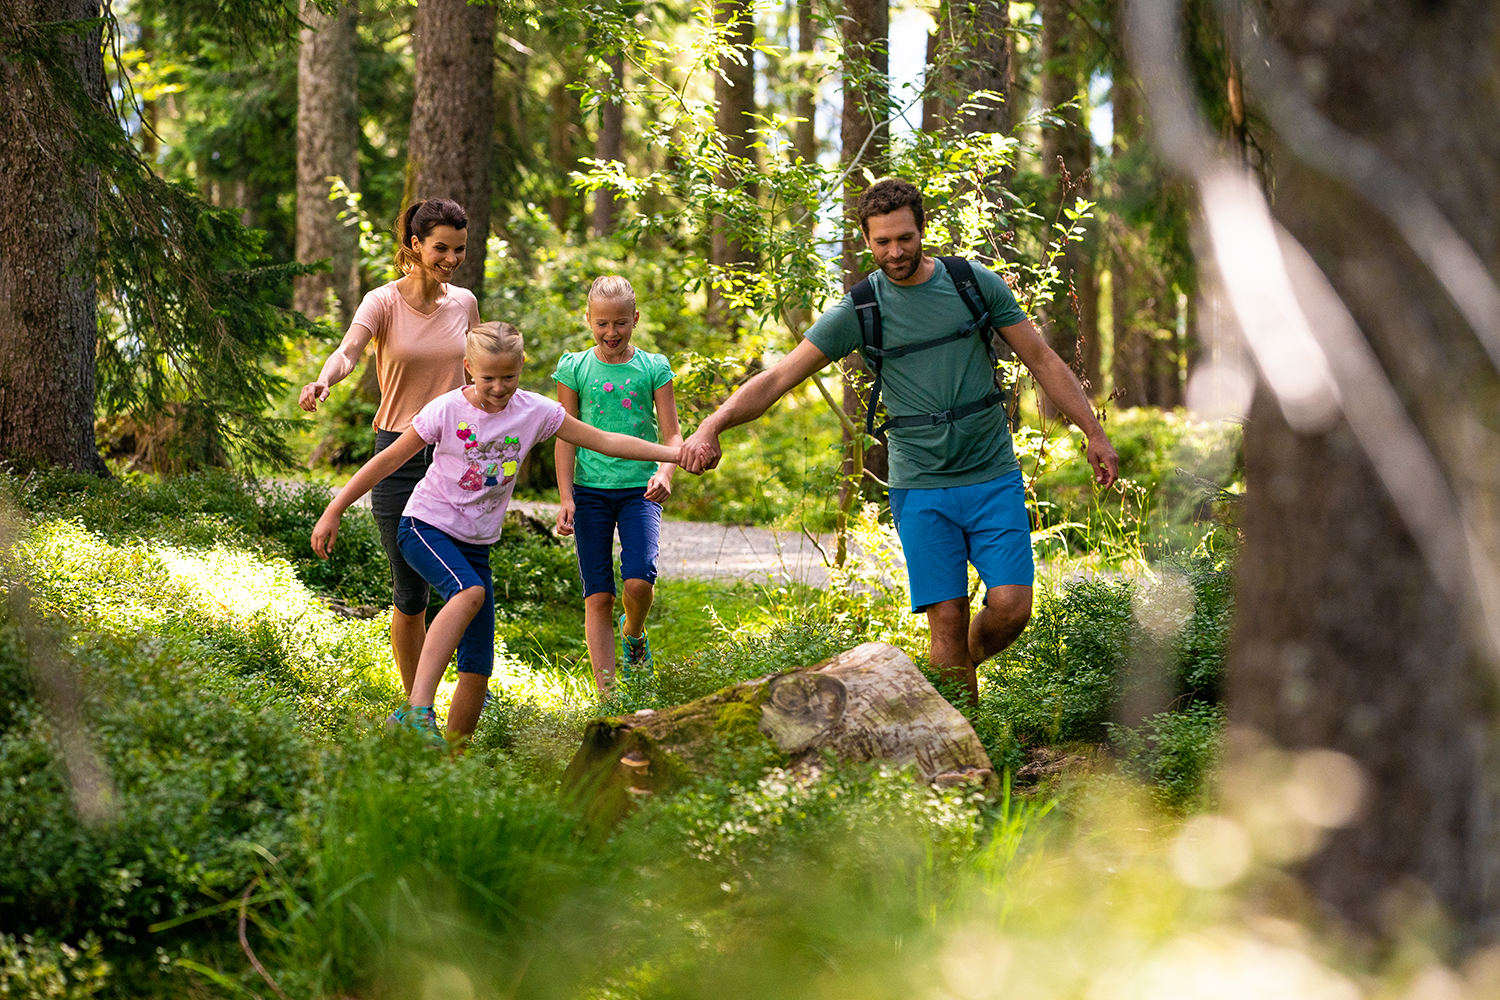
324	534
313	393
565	513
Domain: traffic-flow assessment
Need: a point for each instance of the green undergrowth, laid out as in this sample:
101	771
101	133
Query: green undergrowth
234	719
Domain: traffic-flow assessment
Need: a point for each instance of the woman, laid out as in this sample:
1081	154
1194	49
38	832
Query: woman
419	323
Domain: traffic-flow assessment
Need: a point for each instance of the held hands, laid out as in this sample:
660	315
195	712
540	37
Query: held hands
324	534
700	452
1106	463
565	514
312	394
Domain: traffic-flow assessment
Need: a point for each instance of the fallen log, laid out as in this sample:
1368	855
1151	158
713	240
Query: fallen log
870	703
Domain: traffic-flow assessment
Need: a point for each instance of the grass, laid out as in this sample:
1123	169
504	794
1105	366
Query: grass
237	717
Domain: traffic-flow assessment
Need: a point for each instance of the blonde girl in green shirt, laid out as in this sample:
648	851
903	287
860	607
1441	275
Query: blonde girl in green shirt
617	387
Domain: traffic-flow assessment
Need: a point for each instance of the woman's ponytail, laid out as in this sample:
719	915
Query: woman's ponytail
406	258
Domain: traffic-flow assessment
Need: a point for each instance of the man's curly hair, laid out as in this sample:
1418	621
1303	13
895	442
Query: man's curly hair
888	195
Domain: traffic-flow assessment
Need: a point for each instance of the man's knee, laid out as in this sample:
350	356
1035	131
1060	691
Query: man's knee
1009	604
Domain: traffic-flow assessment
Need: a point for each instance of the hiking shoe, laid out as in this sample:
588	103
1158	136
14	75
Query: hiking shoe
637	655
420	720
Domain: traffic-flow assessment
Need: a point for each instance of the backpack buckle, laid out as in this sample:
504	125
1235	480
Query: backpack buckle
946	417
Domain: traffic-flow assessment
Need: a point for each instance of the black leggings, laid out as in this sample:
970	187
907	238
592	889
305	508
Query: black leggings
409	592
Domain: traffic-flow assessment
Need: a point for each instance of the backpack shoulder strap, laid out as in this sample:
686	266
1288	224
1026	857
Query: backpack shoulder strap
962	273
867	310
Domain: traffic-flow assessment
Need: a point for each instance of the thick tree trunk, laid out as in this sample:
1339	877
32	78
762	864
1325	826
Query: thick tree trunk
971	52
610	144
562	127
453	115
48	245
864	135
734	100
1067	152
806	141
327	146
868	704
1345	638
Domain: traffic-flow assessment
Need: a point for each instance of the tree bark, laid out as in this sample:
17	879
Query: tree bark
974	45
865	26
453	115
734	100
870	703
610	144
327	146
48	246
806	140
1067	152
1345	638
562	128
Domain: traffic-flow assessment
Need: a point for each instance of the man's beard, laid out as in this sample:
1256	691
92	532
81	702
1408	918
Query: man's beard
905	269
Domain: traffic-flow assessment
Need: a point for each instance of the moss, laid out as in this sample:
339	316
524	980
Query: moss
738	722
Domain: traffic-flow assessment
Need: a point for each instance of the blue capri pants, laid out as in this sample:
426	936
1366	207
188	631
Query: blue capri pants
451	565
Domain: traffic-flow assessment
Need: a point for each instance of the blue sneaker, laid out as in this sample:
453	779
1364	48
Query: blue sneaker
421	720
638	661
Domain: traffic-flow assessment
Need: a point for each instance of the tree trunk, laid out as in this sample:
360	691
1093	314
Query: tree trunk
806	142
327	146
562	127
610	144
734	100
864	135
1345	638
870	703
1072	326
453	115
48	245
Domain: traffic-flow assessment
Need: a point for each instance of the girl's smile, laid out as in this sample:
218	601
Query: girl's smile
612	321
496	378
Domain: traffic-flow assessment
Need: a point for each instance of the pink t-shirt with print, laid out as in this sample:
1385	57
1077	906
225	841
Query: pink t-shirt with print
473	471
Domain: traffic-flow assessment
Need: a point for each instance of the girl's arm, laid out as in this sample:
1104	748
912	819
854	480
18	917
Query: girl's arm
339	364
372	472
575	431
660	486
566	455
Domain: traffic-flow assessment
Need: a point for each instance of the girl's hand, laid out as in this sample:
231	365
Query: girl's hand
324	533
565	517
659	488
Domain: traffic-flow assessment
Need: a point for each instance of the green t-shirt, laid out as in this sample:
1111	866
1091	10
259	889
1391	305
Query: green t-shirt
974	449
619	398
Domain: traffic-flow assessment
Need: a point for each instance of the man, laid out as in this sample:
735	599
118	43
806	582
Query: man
956	489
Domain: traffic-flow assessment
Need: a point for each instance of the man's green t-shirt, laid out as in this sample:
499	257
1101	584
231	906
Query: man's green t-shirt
619	398
973	449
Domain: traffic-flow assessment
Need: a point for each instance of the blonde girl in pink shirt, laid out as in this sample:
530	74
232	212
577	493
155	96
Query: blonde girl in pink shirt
418	323
481	434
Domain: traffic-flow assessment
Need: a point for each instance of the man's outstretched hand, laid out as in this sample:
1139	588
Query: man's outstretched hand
700	452
1106	463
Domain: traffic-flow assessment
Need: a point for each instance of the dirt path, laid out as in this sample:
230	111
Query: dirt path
698	549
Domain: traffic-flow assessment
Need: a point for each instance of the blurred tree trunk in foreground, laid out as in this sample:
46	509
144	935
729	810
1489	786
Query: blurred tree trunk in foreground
1344	638
48	244
453	117
327	146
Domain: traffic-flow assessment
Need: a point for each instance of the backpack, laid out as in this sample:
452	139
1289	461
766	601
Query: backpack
868	311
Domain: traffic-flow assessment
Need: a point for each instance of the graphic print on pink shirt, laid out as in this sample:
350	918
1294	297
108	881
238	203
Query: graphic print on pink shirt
478	455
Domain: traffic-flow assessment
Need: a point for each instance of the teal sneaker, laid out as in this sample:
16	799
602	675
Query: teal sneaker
637	655
421	720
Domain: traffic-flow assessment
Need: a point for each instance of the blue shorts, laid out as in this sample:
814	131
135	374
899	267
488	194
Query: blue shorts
944	529
451	565
599	513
